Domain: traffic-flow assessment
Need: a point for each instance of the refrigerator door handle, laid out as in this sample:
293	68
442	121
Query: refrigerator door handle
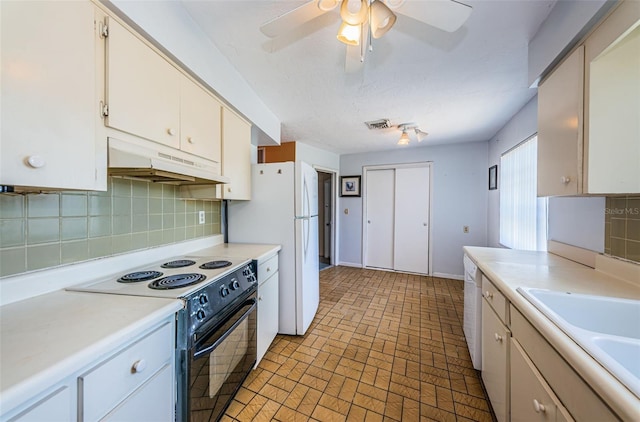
306	211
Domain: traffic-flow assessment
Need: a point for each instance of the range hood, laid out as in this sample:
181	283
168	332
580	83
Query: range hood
161	165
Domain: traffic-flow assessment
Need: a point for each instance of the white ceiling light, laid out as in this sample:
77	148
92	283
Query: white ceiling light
404	138
354	18
327	5
349	34
420	135
405	127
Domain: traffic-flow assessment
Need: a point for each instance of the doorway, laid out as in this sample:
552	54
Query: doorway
326	217
396	224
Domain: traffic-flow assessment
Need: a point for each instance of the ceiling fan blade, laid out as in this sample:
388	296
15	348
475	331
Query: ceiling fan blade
291	19
447	15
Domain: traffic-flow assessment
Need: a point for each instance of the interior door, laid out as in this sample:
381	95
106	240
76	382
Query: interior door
380	191
327	218
411	240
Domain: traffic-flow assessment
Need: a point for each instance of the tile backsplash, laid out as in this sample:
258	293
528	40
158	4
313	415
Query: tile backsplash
622	227
45	230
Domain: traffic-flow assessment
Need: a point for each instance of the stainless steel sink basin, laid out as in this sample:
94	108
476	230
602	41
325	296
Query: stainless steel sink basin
605	327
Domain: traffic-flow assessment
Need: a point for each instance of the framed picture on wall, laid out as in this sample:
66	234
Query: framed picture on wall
493	177
350	186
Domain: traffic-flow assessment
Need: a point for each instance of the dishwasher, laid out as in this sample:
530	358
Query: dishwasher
472	324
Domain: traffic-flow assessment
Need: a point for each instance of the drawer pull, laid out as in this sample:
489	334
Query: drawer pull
488	295
498	337
138	366
538	407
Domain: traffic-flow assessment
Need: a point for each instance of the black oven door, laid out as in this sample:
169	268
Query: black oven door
220	360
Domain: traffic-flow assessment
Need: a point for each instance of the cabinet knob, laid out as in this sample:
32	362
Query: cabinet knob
228	189
36	161
488	295
171	131
191	140
268	269
498	337
565	180
260	298
138	366
538	407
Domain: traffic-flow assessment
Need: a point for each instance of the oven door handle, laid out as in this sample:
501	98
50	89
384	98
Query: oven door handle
226	334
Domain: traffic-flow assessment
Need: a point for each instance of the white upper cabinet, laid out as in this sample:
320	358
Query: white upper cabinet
150	98
236	156
51	131
612	106
589	113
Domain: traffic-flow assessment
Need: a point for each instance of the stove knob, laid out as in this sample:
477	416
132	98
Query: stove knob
203	299
235	285
224	291
200	314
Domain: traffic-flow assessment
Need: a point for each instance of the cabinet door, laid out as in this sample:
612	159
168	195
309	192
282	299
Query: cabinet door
495	361
560	111
236	156
143	89
55	407
267	314
200	121
531	397
49	121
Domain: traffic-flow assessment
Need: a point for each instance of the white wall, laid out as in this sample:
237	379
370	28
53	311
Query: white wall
566	24
521	126
459	198
577	221
169	24
317	157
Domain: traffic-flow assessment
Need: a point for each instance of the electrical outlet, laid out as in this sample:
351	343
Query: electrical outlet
200	217
465	229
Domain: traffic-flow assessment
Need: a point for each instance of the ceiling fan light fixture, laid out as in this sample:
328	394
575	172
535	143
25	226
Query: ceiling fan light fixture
354	18
404	138
327	5
382	19
349	34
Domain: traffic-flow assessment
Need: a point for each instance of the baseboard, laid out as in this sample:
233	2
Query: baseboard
350	264
445	275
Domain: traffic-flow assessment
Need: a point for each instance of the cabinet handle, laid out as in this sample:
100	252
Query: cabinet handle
138	366
538	407
488	295
171	131
565	180
498	337
191	140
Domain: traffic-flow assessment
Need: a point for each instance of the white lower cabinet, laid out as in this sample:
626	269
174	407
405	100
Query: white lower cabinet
135	381
495	360
268	303
123	377
531	397
55	407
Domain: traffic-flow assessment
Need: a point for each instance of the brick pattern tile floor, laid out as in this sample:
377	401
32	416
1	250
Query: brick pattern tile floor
383	347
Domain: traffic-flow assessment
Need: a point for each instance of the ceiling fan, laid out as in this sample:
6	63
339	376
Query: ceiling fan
363	19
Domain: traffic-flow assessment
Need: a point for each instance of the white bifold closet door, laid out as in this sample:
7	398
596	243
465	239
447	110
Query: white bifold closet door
397	216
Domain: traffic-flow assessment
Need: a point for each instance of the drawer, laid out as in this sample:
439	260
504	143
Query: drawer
267	268
104	386
531	397
495	299
578	398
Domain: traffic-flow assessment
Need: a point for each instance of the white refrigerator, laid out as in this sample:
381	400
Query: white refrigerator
284	210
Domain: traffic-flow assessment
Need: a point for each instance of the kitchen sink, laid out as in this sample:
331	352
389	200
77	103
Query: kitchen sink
607	328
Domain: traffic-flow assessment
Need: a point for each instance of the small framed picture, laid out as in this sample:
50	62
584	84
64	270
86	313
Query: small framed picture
350	186
493	177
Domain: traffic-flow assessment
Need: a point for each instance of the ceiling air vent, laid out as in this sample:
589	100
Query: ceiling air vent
378	124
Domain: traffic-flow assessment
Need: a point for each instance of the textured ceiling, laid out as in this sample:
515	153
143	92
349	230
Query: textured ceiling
458	87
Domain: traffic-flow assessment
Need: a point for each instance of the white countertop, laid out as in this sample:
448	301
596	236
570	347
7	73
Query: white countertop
46	338
510	269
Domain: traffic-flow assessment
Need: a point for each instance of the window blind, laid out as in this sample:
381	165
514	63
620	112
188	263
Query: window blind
522	215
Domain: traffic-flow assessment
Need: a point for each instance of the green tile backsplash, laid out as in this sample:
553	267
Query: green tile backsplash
44	230
622	227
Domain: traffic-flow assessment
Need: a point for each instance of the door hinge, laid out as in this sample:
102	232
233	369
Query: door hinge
104	109
104	29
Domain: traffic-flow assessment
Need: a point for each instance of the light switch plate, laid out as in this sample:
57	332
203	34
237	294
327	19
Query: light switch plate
200	217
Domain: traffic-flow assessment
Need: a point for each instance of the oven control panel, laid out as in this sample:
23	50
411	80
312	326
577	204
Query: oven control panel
212	299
